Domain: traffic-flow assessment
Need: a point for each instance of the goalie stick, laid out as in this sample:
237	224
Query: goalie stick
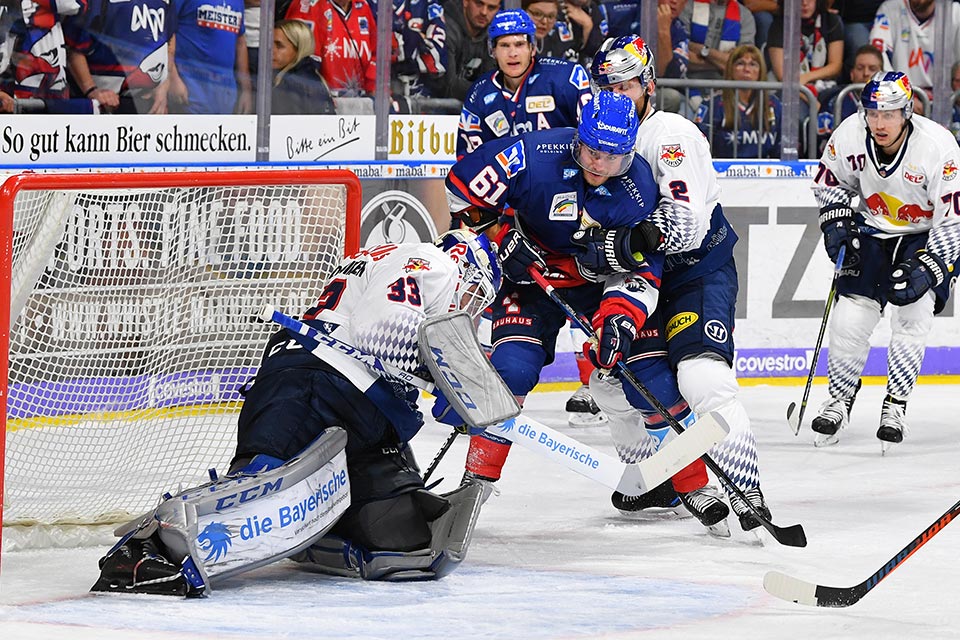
792	536
795	590
629	479
794	422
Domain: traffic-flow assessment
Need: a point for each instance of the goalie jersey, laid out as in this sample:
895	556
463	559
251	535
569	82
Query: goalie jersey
918	191
375	301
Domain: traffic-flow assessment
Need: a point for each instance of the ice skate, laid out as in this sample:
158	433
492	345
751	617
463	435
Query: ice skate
707	507
662	500
748	519
834	416
583	409
893	423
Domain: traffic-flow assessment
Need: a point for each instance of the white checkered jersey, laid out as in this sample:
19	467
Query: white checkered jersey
917	191
379	297
679	156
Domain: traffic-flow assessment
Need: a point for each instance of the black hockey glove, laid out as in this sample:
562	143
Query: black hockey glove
620	250
614	339
516	255
840	229
913	277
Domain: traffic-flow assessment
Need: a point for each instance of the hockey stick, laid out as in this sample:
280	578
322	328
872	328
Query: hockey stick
442	452
795	422
629	479
794	590
792	536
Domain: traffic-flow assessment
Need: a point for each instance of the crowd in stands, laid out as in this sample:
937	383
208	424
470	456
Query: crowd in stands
201	56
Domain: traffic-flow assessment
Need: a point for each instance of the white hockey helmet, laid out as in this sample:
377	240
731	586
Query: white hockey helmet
620	59
888	91
479	269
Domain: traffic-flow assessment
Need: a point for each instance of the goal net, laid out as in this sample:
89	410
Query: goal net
132	324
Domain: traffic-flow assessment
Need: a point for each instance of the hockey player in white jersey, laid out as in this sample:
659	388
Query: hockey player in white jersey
699	289
313	413
902	239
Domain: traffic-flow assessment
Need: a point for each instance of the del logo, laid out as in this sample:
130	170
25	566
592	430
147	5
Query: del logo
680	322
950	170
416	264
512	159
564	206
539	104
672	155
915	178
215	541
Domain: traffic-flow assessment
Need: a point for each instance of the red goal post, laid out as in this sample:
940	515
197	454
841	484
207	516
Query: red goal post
132	302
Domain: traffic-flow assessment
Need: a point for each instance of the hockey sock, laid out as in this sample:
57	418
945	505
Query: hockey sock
486	456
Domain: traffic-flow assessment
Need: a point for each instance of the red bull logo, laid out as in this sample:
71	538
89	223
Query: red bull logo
950	170
897	212
636	48
416	264
672	154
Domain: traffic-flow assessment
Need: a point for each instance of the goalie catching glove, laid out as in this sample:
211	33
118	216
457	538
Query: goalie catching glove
913	277
615	336
620	250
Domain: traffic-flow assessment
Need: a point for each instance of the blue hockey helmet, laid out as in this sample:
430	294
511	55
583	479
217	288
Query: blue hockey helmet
511	22
480	274
888	91
622	58
607	134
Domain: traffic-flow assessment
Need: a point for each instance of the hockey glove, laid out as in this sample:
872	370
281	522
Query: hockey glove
607	251
913	277
614	339
516	255
840	229
444	413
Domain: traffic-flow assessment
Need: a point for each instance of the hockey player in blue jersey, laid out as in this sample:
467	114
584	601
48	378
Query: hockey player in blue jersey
525	93
533	192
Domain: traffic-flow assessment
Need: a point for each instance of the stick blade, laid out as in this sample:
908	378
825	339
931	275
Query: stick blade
790	589
793	418
792	536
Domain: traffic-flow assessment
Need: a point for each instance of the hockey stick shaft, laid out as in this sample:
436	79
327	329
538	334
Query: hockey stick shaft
631	480
269	314
794	590
793	536
442	452
816	350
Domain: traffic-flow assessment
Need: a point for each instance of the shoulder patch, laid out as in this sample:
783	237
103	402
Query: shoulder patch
434	10
672	155
831	151
469	121
949	170
513	159
579	78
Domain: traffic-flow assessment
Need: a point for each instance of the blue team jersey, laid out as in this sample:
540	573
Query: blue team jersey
550	96
533	180
748	141
207	33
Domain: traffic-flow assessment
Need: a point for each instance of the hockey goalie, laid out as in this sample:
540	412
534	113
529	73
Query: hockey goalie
323	472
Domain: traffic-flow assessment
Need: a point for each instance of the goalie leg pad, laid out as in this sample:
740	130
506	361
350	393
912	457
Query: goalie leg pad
451	529
240	522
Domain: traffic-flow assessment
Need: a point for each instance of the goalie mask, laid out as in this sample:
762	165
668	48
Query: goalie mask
476	257
603	144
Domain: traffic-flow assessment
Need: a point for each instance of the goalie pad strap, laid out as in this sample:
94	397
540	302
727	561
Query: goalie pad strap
243	522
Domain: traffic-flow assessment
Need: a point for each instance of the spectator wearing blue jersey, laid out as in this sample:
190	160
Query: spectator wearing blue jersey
117	54
567	29
742	123
525	93
622	16
209	58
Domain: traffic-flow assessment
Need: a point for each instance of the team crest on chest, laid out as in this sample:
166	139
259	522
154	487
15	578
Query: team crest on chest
564	206
672	154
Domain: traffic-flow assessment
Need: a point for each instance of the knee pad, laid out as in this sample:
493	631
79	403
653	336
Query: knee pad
915	320
659	379
519	364
706	382
854	318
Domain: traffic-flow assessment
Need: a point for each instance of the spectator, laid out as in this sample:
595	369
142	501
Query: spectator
858	17
867	62
673	52
955	87
821	46
419	47
117	54
298	86
345	35
742	123
251	22
903	32
567	29
716	27
467	54
764	13
622	16
208	55
35	51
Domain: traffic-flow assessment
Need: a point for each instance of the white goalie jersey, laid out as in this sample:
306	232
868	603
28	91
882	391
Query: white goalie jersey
919	190
377	298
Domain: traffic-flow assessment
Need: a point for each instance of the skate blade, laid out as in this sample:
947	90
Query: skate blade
886	446
586	419
826	440
719	530
657	513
